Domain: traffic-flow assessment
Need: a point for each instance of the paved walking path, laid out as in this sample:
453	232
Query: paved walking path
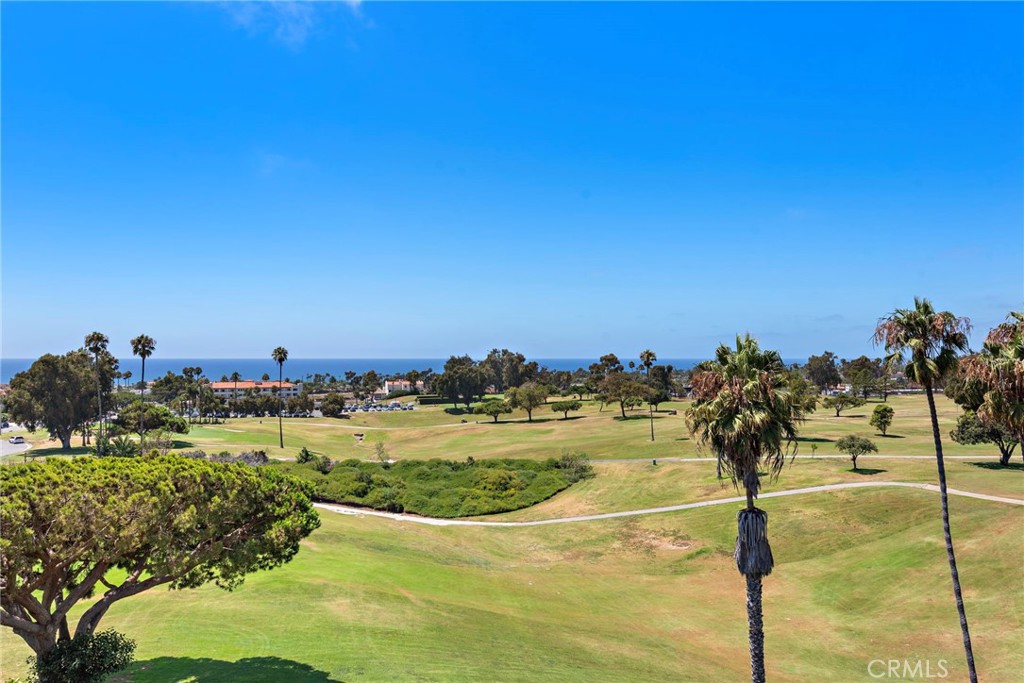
433	521
806	457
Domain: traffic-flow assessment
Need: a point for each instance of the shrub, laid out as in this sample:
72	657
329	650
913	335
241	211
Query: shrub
575	465
304	456
122	447
443	488
86	658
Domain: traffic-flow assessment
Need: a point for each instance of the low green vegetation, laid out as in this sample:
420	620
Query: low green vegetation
439	488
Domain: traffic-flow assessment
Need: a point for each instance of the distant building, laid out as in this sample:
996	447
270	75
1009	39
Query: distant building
393	385
226	390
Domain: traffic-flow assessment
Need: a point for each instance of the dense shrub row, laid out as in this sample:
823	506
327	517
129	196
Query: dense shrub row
443	488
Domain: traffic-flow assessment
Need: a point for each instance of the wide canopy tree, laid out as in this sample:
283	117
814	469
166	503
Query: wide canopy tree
123	526
743	411
57	393
931	342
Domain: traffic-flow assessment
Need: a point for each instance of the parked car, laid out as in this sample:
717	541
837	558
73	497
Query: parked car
17	439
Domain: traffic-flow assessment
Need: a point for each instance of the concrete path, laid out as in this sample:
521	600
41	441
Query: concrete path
433	521
980	456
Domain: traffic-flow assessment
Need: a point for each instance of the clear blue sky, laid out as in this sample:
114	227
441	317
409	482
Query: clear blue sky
414	180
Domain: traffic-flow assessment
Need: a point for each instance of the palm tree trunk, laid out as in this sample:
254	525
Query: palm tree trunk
142	413
755	625
650	406
954	574
99	401
280	403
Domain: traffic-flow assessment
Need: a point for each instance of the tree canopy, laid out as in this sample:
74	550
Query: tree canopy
881	418
841	402
822	370
493	409
527	397
158	521
855	446
58	394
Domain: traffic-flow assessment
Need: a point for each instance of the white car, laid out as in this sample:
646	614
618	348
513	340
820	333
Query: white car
17	439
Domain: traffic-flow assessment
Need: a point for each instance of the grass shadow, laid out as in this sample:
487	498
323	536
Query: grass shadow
867	471
1014	466
203	670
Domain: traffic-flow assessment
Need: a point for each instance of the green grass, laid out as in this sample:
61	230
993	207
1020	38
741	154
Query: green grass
860	575
636	485
430	432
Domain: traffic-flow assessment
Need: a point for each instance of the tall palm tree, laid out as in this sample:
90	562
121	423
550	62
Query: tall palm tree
235	376
280	355
930	342
96	343
744	412
143	346
647	358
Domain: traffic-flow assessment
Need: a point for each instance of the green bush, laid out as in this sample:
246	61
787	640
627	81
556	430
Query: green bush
444	488
86	658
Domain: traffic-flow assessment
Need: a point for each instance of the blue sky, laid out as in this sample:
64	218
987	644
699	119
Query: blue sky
414	180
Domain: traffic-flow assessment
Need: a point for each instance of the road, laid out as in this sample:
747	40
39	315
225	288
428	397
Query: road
433	521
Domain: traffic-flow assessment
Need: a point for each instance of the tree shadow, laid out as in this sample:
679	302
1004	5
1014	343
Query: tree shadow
867	471
203	670
813	439
182	444
48	452
619	418
1015	466
889	436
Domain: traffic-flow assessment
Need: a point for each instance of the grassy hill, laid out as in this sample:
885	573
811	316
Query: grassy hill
860	575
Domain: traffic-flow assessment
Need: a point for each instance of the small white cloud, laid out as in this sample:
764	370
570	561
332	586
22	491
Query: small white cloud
289	23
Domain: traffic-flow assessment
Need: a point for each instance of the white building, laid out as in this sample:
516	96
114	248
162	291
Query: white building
226	390
393	385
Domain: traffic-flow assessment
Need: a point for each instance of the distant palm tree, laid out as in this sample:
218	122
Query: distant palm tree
127	375
96	343
143	346
647	358
280	355
743	411
933	341
235	376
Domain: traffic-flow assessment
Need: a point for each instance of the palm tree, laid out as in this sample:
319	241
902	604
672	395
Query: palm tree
235	376
999	368
127	375
96	343
932	340
647	358
280	355
142	346
743	411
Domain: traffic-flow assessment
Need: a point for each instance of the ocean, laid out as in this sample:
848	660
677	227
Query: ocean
299	368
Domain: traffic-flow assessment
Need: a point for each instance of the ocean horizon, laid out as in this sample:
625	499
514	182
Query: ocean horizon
299	368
